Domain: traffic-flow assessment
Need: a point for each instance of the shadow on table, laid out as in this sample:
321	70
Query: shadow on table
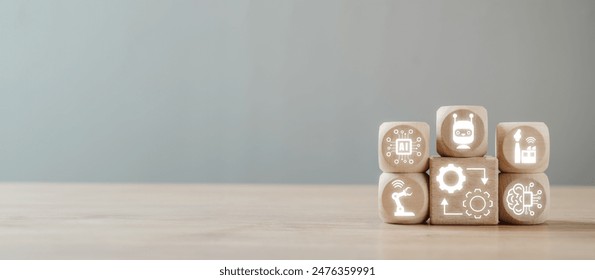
556	239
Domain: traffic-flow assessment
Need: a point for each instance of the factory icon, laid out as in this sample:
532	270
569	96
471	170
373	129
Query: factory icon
528	155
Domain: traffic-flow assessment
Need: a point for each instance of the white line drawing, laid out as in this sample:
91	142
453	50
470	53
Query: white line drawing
484	179
400	211
404	147
463	132
444	204
521	199
479	204
460	180
527	156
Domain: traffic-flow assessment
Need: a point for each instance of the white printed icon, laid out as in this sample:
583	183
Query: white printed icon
444	204
521	199
396	196
460	178
484	179
404	146
463	132
478	204
528	155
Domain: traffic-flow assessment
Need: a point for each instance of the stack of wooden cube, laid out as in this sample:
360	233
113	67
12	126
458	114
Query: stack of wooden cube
463	187
523	150
404	151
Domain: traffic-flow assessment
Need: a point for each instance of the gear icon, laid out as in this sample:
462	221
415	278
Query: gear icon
479	204
451	188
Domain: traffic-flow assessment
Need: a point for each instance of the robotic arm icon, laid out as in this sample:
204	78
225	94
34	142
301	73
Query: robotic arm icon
400	212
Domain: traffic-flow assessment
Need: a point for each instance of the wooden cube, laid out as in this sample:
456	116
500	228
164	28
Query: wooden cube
403	147
403	198
524	198
523	147
462	131
464	190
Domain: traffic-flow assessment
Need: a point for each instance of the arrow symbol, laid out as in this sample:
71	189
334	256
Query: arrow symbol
485	178
444	204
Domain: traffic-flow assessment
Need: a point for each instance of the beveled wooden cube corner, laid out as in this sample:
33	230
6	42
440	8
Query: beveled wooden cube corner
462	131
464	191
524	198
403	147
403	198
523	147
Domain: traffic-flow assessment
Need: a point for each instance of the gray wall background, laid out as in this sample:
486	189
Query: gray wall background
278	91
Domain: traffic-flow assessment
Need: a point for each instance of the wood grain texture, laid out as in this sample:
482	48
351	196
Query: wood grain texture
524	198
86	221
529	154
403	147
464	191
413	194
462	131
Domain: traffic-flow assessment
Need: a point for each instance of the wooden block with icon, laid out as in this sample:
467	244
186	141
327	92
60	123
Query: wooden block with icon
403	198
464	191
524	198
462	131
523	147
403	147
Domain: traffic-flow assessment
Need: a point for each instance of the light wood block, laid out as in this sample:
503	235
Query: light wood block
403	147
524	198
523	147
461	131
403	198
464	190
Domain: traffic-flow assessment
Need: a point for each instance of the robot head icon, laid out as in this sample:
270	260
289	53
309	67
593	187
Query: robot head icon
463	132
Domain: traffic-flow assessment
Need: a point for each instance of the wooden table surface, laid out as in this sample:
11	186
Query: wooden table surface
111	221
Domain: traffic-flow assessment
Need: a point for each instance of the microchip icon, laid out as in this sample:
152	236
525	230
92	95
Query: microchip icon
404	147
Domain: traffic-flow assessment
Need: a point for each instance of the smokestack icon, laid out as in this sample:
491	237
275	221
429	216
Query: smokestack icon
526	156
